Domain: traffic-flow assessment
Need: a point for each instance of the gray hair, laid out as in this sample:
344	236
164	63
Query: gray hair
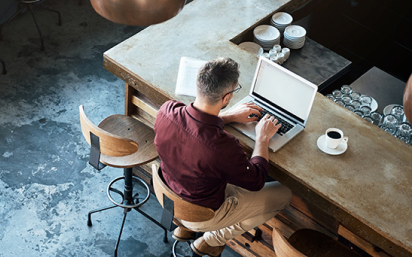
215	77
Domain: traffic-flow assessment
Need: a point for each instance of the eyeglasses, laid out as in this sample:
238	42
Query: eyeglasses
233	91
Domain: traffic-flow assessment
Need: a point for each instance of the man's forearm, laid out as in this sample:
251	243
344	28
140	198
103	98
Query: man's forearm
261	148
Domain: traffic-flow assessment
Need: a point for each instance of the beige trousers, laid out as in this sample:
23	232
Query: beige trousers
242	211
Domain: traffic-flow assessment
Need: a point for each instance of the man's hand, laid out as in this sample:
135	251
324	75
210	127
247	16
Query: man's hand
265	130
242	113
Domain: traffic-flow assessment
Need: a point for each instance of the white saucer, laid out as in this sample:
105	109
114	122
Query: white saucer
295	31
251	47
338	150
266	33
282	18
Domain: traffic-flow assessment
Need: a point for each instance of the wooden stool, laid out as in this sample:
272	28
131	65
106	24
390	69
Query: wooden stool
175	207
309	243
123	142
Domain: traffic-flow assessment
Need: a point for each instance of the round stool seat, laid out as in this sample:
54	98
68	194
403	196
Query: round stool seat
130	128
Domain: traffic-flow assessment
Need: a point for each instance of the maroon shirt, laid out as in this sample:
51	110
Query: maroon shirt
198	158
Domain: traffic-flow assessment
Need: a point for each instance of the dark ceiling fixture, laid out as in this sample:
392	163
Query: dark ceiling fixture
138	12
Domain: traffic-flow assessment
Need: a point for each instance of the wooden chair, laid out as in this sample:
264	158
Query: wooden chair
175	207
309	243
123	142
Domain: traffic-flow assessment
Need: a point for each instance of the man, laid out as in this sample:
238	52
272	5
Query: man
207	166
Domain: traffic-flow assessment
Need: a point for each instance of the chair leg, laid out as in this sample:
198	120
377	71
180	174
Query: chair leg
89	216
37	26
165	240
126	210
59	22
21	8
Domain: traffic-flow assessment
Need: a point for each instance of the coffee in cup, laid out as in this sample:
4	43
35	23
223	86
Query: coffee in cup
334	137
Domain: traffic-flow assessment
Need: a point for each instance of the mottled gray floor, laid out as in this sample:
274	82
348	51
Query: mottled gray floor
46	186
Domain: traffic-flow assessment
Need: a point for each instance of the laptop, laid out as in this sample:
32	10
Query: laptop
282	94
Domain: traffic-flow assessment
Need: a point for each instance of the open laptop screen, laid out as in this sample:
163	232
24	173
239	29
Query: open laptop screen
283	89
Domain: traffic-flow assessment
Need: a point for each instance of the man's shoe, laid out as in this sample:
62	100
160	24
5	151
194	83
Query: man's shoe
200	247
183	234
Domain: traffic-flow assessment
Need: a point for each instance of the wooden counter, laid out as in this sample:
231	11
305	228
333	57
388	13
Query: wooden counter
364	195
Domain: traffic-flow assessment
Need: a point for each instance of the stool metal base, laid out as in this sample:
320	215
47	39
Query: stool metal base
128	202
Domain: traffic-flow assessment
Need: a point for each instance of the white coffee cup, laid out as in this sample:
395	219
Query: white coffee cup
286	52
334	137
281	58
278	48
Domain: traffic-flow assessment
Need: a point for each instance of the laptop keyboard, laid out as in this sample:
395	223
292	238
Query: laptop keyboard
286	126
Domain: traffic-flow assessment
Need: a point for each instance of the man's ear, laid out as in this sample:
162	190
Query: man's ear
227	99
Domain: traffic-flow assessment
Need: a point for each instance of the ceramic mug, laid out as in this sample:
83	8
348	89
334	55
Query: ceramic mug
334	137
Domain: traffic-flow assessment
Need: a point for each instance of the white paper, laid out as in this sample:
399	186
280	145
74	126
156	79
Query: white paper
186	77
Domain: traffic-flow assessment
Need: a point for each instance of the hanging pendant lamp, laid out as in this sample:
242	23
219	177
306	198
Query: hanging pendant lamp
138	12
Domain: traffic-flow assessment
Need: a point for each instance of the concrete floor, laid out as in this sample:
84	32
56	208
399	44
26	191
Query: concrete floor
46	186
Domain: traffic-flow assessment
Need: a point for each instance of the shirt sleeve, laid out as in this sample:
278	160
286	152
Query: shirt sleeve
240	171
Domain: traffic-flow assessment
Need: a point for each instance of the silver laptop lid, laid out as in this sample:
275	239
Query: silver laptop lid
283	90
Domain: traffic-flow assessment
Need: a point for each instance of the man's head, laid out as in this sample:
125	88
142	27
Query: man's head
217	78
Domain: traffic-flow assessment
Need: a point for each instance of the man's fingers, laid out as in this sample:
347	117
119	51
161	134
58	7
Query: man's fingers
254	106
256	112
253	118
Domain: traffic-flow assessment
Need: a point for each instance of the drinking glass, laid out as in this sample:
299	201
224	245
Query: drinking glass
331	97
366	100
356	103
337	94
340	102
397	111
358	112
346	89
404	132
366	110
368	118
350	107
377	118
346	98
355	95
389	124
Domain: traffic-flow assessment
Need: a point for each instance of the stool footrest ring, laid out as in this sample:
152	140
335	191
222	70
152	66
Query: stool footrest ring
122	204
